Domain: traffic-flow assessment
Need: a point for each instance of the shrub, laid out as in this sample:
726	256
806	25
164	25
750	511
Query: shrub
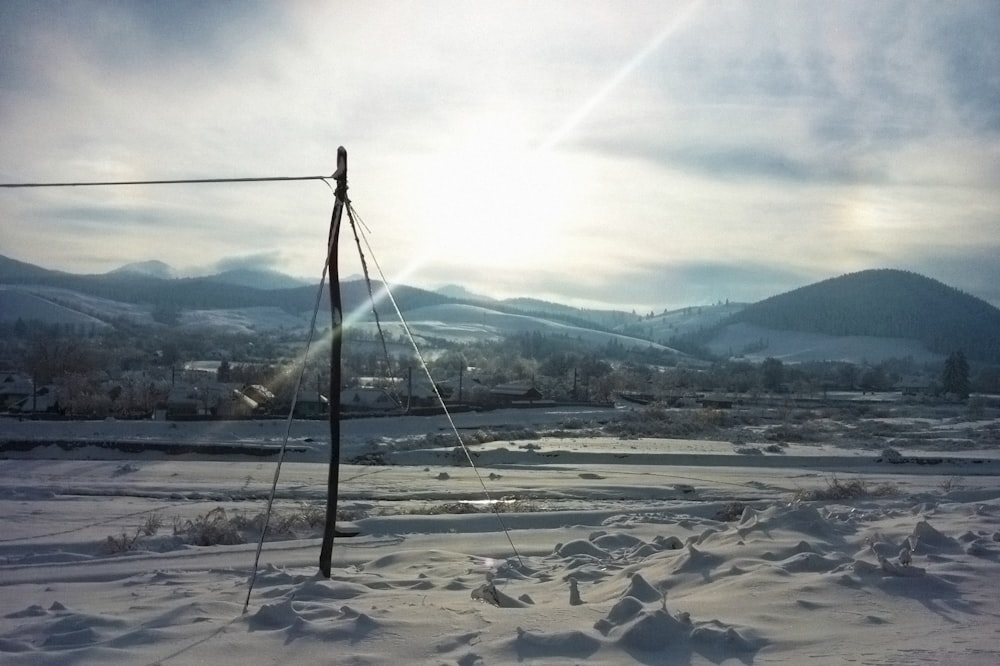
503	505
847	490
286	524
219	528
122	543
214	528
801	432
891	455
125	542
656	421
949	484
151	525
730	512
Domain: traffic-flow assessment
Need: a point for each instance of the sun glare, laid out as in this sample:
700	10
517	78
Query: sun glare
503	203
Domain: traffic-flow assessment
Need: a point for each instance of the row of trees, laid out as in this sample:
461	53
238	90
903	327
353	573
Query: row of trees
954	380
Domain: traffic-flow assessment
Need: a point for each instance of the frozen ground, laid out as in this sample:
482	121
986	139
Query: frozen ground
621	551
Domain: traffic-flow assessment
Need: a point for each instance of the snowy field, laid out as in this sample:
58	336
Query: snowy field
620	551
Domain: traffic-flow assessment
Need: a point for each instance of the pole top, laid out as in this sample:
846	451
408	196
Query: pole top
340	175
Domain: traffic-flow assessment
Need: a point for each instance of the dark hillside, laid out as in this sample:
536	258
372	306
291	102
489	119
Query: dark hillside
13	271
205	292
886	303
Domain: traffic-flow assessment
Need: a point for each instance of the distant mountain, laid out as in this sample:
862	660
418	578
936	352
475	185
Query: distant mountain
868	315
885	303
152	268
258	279
13	271
459	292
203	293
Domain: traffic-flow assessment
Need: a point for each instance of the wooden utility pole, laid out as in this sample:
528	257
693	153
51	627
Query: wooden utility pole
409	388
336	332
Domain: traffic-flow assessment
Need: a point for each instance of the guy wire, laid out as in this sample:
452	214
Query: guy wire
437	394
288	428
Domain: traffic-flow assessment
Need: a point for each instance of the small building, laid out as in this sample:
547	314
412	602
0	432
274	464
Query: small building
715	401
44	400
311	404
187	401
14	388
914	385
515	392
367	399
411	390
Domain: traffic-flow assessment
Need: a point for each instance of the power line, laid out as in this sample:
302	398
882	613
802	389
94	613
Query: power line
260	179
437	392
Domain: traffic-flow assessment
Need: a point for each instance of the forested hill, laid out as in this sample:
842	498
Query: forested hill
886	303
230	290
210	292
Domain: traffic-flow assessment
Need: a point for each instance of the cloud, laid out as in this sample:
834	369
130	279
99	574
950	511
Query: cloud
271	260
975	271
968	45
671	285
768	163
797	94
103	219
686	146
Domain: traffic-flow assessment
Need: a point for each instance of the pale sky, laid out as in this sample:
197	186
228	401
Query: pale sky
622	154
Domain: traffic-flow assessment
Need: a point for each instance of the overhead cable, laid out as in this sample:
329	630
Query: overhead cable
182	181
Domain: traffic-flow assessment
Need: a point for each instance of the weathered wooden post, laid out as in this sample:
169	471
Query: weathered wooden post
336	331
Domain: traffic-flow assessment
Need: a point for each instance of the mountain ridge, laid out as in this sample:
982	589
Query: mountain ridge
152	268
885	303
879	303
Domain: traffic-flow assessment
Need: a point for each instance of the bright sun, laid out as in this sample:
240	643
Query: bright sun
502	203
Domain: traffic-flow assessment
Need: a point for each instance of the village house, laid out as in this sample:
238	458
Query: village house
367	399
515	393
44	400
193	401
311	404
14	387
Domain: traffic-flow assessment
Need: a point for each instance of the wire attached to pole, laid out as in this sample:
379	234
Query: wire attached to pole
437	394
371	297
288	429
182	181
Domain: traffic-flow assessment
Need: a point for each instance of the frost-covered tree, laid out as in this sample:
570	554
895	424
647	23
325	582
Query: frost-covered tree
772	374
955	378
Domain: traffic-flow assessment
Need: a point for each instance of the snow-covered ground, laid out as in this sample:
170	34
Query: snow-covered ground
465	323
800	347
620	551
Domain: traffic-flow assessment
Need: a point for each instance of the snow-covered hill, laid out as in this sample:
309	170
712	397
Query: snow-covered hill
152	268
714	327
53	305
462	323
756	343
